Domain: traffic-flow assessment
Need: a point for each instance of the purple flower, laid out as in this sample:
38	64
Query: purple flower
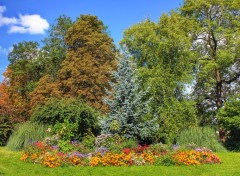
102	150
176	147
78	154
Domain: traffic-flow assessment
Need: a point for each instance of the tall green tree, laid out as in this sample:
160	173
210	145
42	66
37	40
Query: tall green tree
165	60
91	56
128	110
55	46
162	53
217	41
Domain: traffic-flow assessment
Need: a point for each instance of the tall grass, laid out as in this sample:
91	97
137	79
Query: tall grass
202	137
26	133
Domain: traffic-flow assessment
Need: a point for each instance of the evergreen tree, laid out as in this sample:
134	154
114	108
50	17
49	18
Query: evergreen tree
128	113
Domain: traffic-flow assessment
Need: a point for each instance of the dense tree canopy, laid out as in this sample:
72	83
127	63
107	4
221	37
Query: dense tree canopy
217	40
91	56
165	61
55	46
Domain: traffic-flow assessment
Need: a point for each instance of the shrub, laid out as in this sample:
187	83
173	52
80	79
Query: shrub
26	133
73	110
114	143
5	130
201	137
229	118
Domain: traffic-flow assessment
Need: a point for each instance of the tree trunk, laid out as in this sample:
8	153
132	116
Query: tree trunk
218	97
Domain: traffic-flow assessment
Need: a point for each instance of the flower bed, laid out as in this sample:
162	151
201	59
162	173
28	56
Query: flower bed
52	156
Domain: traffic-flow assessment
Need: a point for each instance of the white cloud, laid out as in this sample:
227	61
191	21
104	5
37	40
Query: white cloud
31	24
6	20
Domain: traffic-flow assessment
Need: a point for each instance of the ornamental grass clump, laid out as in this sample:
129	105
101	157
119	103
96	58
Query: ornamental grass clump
200	137
25	134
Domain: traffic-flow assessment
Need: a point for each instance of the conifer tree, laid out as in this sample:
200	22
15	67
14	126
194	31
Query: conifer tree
128	112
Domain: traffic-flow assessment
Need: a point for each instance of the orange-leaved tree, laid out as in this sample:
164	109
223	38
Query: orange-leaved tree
90	58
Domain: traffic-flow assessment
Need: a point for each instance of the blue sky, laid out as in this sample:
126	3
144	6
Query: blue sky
29	20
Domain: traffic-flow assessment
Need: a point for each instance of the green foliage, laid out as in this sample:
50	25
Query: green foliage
55	48
73	110
26	133
166	160
161	51
88	142
64	130
65	145
164	62
114	143
161	148
229	115
174	116
5	130
201	137
229	118
216	39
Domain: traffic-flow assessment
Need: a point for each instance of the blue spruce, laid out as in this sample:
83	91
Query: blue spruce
128	114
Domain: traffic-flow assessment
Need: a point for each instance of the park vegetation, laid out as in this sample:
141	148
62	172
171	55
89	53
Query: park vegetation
172	82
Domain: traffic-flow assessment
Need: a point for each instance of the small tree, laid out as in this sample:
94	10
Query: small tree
229	118
128	112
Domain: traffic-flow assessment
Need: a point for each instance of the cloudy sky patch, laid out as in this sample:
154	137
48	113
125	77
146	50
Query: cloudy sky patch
24	24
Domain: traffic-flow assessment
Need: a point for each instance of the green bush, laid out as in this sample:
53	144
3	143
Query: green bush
74	110
26	133
5	130
229	118
229	115
201	137
114	143
88	142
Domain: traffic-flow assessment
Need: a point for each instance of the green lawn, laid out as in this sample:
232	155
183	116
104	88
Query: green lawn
10	165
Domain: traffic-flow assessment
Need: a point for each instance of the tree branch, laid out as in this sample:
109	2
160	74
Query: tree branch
232	79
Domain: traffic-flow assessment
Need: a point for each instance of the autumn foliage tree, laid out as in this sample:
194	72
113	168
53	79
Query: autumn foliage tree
5	102
91	56
25	72
54	52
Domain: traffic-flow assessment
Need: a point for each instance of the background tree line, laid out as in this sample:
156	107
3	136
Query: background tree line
179	72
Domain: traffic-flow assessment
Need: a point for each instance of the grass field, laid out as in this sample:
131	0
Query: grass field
10	165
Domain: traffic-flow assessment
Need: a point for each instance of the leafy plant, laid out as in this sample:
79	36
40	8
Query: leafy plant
88	142
74	110
5	130
64	130
229	119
